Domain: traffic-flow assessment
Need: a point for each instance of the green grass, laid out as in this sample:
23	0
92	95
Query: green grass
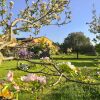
10	65
74	91
63	90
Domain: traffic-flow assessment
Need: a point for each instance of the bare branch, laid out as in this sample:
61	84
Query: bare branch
58	80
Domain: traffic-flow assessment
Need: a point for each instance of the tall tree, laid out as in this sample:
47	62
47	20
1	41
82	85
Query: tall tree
77	41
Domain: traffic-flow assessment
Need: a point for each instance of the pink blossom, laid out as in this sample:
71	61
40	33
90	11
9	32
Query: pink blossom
33	77
16	87
42	79
24	78
29	77
10	76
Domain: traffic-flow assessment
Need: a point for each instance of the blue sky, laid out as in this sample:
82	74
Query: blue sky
81	13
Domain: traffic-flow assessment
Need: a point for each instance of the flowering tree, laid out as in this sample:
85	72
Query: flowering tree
33	17
95	25
95	28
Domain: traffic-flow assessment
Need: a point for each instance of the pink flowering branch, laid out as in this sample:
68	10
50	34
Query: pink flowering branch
10	78
58	73
33	77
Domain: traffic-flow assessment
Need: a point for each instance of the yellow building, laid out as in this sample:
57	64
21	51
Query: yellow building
45	40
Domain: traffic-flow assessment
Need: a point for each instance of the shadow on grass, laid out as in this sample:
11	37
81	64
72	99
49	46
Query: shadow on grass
54	58
12	69
87	64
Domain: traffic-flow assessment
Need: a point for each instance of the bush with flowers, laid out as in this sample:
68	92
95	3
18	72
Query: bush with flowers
76	73
67	67
9	88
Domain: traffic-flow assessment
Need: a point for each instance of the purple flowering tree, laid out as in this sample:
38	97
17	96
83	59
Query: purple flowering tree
23	53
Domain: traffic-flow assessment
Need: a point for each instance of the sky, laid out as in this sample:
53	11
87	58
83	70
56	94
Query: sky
81	13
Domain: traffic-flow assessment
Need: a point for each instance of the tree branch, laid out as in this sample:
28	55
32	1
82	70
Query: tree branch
20	28
58	80
20	19
67	79
59	74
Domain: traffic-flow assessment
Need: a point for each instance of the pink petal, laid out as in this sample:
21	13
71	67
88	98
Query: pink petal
10	76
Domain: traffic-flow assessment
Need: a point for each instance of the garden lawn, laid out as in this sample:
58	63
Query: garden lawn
62	91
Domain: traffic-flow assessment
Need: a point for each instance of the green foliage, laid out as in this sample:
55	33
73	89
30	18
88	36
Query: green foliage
73	91
78	41
64	68
36	49
23	67
98	48
67	68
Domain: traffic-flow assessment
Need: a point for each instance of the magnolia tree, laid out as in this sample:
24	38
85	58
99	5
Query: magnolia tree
33	16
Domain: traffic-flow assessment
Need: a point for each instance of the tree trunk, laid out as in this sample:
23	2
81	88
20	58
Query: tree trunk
77	54
5	42
4	45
